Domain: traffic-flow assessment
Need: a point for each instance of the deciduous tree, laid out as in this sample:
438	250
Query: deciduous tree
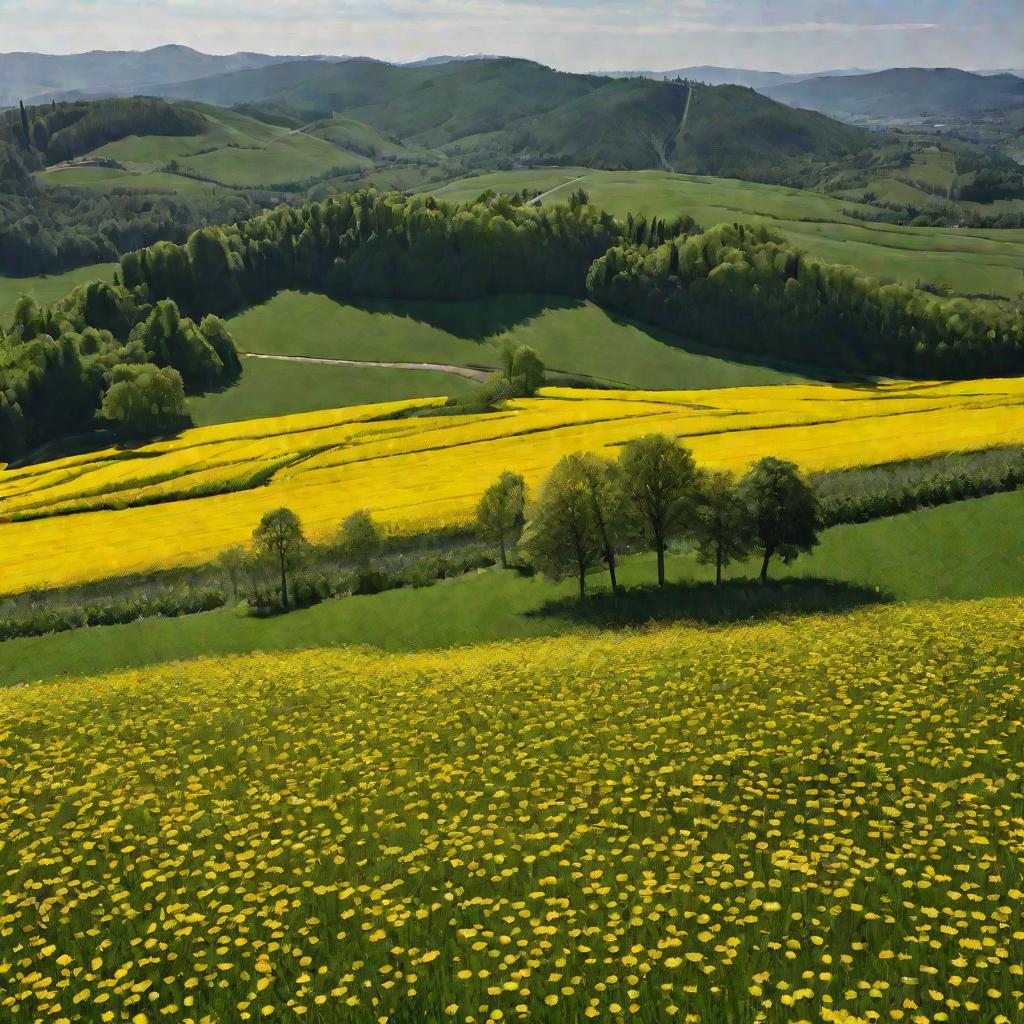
280	536
660	482
500	513
722	527
359	540
561	535
784	511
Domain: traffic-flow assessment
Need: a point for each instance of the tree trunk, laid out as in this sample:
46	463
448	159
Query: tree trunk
504	557
284	586
661	560
764	565
610	557
583	584
718	566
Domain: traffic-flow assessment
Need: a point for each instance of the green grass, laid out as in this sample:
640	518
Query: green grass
235	149
107	179
48	288
269	388
969	550
573	337
968	261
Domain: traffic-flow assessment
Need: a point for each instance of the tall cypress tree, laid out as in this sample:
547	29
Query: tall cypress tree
24	123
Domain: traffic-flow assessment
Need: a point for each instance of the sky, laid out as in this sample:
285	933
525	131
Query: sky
575	35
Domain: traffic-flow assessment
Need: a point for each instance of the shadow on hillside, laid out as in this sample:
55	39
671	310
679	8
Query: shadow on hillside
704	603
476	320
813	373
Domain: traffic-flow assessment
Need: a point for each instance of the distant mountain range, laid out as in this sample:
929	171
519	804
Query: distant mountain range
710	75
904	93
171	71
40	77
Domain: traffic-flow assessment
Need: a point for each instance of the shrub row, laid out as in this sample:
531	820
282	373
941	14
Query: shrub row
860	495
313	587
41	621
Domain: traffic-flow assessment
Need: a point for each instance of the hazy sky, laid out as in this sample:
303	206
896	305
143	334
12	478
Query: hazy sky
788	35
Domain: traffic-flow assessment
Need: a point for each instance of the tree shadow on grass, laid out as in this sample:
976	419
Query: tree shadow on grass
706	604
476	319
824	374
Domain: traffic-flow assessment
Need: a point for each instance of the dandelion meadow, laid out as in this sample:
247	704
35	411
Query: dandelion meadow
428	470
813	820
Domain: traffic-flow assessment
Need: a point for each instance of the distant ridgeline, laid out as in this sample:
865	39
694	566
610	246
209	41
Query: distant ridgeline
78	226
730	287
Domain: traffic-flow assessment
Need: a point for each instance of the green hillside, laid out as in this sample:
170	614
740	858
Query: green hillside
491	110
735	132
573	337
969	550
968	261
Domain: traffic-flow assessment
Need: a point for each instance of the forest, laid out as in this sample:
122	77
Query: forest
734	287
749	290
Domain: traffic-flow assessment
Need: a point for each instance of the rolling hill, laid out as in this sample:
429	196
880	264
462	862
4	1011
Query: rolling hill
904	93
487	111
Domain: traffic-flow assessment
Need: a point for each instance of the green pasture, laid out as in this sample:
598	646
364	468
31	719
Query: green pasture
573	337
271	388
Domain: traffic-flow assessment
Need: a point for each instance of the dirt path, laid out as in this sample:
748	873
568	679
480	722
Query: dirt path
552	191
469	372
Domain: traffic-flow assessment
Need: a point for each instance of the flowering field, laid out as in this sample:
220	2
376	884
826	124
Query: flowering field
811	821
184	500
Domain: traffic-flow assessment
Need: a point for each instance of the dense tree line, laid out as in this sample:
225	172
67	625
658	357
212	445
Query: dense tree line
103	356
747	289
374	244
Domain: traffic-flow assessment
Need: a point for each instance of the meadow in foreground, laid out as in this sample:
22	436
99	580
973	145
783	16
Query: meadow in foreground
815	820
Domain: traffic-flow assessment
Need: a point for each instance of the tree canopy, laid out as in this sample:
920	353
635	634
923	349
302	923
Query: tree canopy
784	511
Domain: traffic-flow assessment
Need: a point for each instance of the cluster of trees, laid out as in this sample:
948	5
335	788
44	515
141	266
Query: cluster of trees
522	375
103	356
749	290
590	509
63	131
375	244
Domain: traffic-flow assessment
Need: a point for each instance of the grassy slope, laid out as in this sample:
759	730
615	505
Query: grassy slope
275	389
236	149
969	261
48	288
969	550
571	336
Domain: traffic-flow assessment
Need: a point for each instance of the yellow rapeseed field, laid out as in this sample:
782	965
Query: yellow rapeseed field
810	821
183	500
